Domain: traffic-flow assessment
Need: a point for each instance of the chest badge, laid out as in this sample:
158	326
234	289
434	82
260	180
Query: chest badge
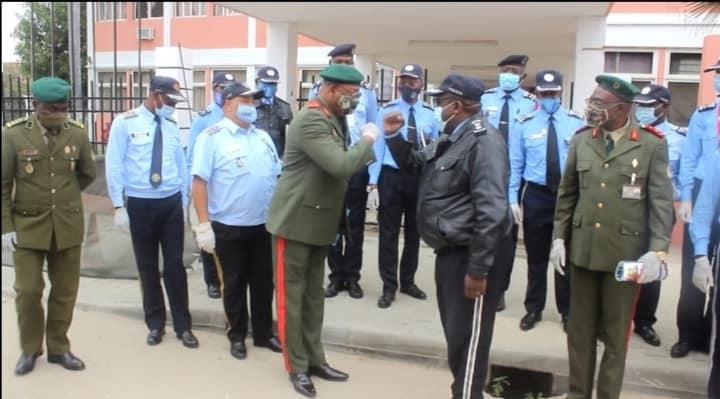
67	149
29	167
634	163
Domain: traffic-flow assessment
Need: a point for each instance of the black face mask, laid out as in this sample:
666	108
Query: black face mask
408	93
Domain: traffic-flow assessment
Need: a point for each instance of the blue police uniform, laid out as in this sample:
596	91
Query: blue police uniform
241	167
155	213
528	161
675	136
520	103
398	193
705	227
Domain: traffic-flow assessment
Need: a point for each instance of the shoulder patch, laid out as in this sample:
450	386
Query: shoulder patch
204	112
316	104
575	114
706	107
16	122
526	117
493	90
212	130
76	123
479	128
655	131
393	102
426	105
129	114
681	130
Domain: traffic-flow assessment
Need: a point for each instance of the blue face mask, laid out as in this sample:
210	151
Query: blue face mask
218	99
246	113
268	89
508	81
717	84
550	104
645	115
165	111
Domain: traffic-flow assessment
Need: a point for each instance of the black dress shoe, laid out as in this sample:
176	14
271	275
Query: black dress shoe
354	290
648	335
332	289
238	349
273	344
414	292
529	320
155	337
680	349
386	300
67	360
26	363
188	339
213	291
327	373
501	304
302	384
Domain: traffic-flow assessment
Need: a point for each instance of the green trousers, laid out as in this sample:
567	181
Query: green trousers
600	308
300	301
64	276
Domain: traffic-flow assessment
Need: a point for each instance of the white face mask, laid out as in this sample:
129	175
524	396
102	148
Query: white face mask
443	123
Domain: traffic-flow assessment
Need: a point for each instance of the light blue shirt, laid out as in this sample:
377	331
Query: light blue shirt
129	154
528	146
427	126
210	116
675	137
520	103
241	168
702	140
706	205
365	112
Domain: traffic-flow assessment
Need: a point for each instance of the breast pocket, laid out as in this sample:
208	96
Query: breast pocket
236	162
535	150
583	170
631	176
447	175
27	165
140	138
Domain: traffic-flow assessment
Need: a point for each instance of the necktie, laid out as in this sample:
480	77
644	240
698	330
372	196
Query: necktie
610	144
552	163
156	162
412	128
504	116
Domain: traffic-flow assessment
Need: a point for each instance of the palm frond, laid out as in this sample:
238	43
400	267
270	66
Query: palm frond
707	12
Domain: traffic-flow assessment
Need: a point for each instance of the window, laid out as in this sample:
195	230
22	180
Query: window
221	11
105	90
308	77
104	11
384	82
239	74
628	62
150	9
146	77
189	9
684	101
685	64
199	90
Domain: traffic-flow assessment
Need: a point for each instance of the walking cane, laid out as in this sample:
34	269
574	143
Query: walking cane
472	348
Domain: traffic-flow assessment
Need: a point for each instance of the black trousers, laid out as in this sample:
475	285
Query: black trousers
538	212
159	223
647	304
693	325
398	194
345	256
209	268
456	312
714	378
245	254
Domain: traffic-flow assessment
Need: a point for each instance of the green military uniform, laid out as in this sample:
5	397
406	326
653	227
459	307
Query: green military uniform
42	177
304	218
613	204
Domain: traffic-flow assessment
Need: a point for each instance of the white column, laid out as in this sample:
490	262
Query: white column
589	57
282	54
167	63
168	14
91	69
252	32
366	64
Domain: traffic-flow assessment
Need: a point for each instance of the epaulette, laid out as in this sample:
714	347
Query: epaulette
316	104
204	112
169	119
681	130
583	128
478	128
523	118
529	96
16	122
706	107
393	102
212	130
488	91
426	105
655	131
129	114
76	123
575	114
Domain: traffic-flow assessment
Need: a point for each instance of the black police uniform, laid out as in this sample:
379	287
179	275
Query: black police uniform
275	116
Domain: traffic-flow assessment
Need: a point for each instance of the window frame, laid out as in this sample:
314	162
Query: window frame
122	6
634	75
149	10
182	4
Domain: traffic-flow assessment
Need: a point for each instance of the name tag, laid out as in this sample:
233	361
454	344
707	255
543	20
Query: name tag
538	135
632	192
491	109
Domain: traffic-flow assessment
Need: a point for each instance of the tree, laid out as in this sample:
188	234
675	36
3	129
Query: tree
706	11
41	40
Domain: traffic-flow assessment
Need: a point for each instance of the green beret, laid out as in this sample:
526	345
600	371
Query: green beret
622	89
342	73
50	90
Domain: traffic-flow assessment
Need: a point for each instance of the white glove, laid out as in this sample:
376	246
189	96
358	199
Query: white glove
373	200
557	255
9	240
122	221
205	237
651	268
371	131
685	211
702	274
185	215
517	213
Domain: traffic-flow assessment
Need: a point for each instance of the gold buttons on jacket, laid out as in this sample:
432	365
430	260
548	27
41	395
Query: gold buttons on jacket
52	191
597	225
603	185
600	205
606	165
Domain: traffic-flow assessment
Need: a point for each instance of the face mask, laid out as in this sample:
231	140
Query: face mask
443	121
165	111
246	113
348	103
717	84
508	81
408	93
268	89
596	117
54	121
550	104
645	115
218	99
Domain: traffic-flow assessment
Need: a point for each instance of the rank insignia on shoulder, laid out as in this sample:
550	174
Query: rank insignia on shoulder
706	107
129	114
16	122
426	105
204	112
596	132
633	136
529	96
655	131
682	130
575	114
76	123
390	103
523	118
493	90
478	128
212	130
